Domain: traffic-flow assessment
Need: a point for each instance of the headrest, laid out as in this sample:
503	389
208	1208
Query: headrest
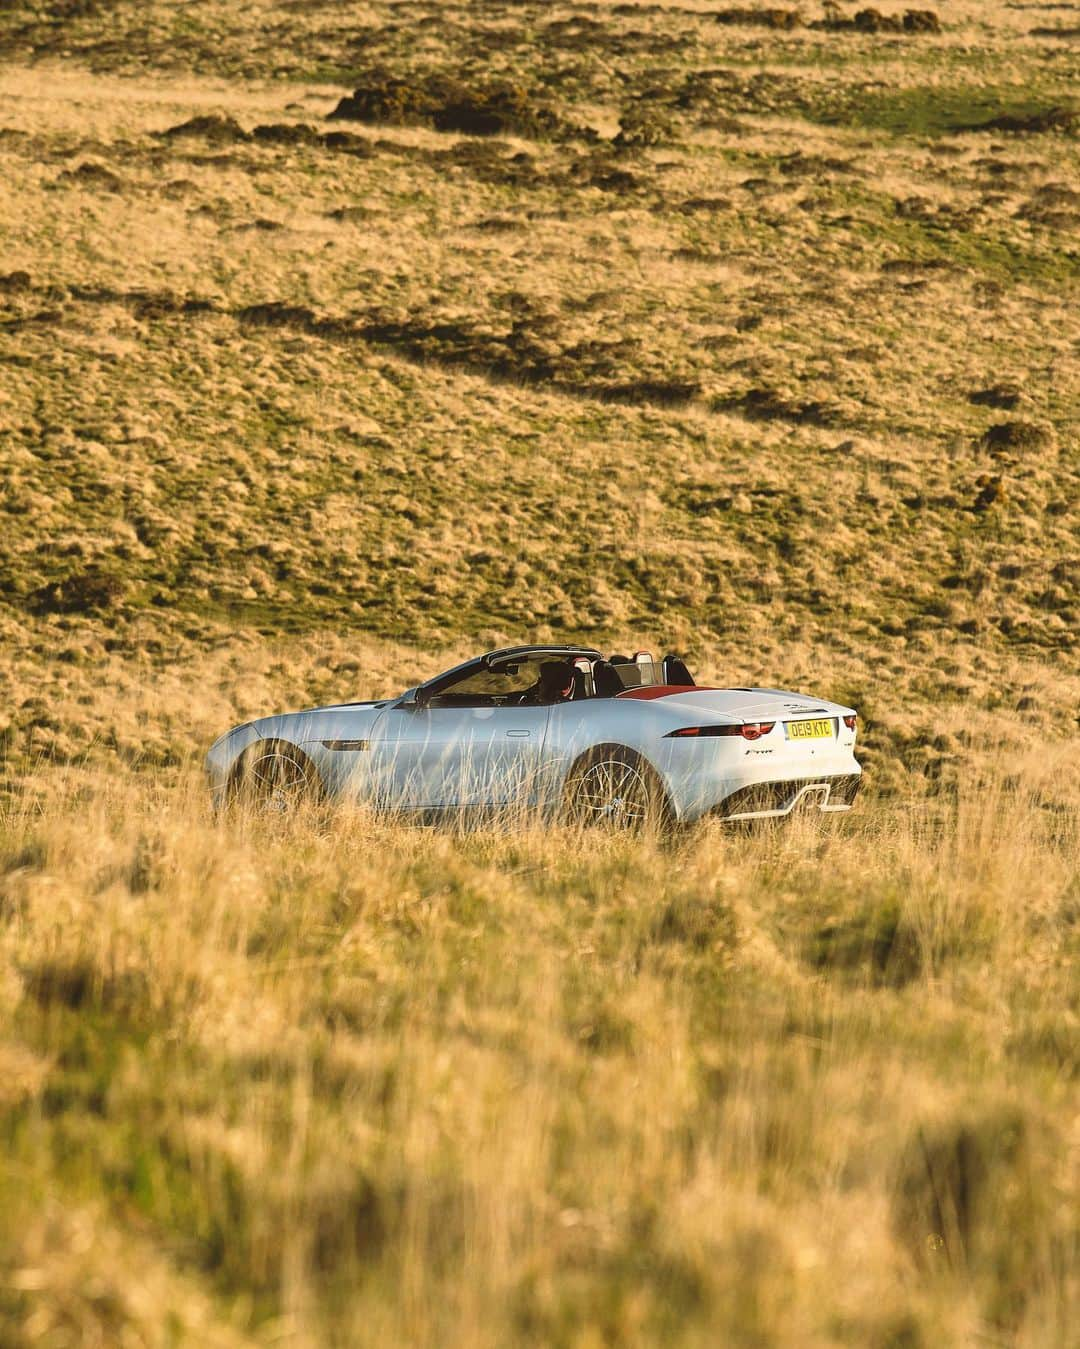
675	672
606	681
556	675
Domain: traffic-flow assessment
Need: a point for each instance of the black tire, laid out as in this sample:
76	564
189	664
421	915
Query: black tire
614	787
276	778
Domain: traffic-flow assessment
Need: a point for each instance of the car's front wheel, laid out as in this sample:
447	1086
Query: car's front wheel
614	787
276	779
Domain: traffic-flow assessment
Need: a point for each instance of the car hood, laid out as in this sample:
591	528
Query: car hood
337	721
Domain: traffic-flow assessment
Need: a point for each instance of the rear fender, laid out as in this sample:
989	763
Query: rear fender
669	809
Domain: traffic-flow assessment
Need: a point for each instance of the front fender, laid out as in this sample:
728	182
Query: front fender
222	756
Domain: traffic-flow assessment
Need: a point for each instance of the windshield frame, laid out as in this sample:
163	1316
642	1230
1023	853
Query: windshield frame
424	693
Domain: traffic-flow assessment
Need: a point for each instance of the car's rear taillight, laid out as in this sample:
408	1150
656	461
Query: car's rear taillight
849	722
749	730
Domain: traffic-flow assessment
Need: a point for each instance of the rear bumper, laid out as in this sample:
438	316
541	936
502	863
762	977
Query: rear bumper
727	778
772	800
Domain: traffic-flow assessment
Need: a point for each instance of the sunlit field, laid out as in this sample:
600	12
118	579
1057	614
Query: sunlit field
339	343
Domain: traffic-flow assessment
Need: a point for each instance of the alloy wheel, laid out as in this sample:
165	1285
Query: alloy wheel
278	782
613	793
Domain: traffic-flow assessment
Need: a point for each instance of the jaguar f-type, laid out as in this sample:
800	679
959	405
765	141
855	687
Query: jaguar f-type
563	730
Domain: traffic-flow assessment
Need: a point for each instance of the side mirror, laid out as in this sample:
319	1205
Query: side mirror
412	702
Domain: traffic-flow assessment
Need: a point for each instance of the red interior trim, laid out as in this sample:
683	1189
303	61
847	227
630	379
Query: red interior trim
666	690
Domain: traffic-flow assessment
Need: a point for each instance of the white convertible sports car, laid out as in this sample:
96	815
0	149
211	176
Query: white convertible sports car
561	729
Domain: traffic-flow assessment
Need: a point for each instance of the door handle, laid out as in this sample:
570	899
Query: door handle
519	735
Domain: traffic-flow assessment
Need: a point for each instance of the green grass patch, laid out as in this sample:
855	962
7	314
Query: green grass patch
934	111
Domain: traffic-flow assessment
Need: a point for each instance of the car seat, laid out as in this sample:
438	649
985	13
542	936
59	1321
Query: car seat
606	681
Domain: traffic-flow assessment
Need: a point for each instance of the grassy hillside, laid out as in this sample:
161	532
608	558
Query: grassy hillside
339	341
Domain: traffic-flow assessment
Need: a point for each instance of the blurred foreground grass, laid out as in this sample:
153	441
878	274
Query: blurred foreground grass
339	1080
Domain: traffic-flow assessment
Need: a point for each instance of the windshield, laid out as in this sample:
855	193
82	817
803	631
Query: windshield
491	688
515	680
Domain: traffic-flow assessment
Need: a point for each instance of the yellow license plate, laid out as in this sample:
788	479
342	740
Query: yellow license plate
809	730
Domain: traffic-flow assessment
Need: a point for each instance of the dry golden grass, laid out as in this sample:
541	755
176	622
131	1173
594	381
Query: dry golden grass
337	1079
295	410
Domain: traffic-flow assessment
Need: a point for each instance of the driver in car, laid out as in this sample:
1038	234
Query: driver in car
554	685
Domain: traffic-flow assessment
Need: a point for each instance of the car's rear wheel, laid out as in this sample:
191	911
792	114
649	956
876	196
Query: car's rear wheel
276	779
615	788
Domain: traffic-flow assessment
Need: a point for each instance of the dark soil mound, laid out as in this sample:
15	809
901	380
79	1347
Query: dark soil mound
213	128
494	111
1018	438
911	22
90	174
287	133
276	315
768	405
1005	396
991	493
490	108
921	21
762	18
643	126
1057	194
93	590
347	143
646	392
1052	119
15	283
387	98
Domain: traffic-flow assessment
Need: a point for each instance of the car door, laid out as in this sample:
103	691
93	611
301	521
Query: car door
483	756
395	755
445	757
